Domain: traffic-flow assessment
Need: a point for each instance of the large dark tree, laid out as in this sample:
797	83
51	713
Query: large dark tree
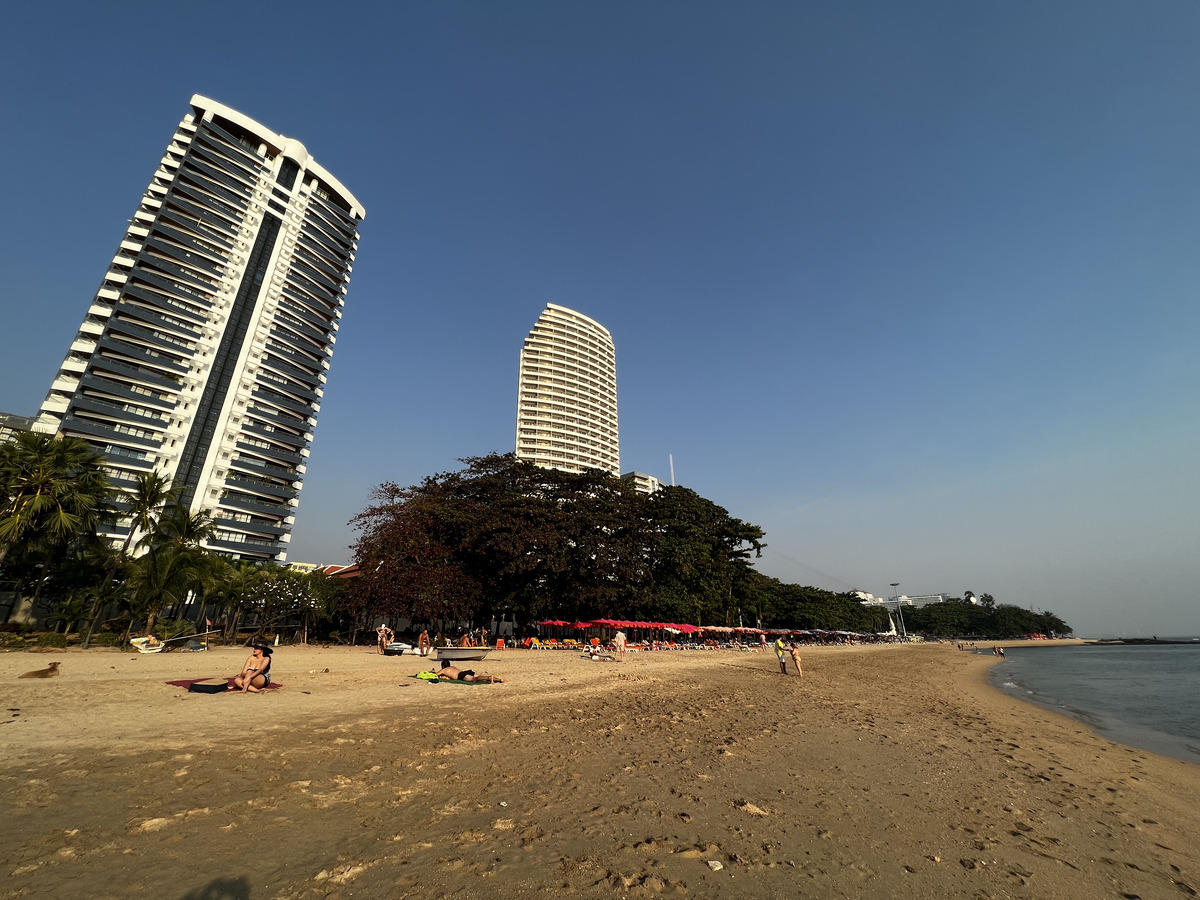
406	569
698	551
502	537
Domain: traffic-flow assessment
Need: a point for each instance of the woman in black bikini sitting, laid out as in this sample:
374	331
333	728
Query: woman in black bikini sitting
256	673
452	673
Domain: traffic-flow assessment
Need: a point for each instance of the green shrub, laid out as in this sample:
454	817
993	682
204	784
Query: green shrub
52	639
106	639
11	641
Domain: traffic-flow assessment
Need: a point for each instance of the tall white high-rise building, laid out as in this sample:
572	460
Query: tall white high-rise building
203	355
567	394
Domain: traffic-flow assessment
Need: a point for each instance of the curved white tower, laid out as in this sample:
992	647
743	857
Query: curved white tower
203	355
567	394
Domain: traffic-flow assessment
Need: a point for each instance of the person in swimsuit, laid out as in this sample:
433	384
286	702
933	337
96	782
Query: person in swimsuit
453	673
794	653
423	644
385	637
256	673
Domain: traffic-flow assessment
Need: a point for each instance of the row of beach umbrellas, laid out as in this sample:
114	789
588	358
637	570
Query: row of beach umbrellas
683	628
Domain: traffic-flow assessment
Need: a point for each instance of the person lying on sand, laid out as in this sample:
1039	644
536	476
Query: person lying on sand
453	673
256	673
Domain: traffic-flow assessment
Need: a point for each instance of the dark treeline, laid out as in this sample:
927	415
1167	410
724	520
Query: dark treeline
159	579
985	619
497	539
505	539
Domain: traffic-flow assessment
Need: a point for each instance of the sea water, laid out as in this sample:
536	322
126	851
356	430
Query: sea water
1142	695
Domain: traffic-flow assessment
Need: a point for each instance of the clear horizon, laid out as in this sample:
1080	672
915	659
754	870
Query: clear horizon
910	286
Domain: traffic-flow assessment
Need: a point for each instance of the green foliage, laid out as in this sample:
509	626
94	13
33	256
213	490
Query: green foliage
52	489
795	606
53	495
106	639
986	620
504	537
164	576
145	503
697	553
69	611
10	640
52	639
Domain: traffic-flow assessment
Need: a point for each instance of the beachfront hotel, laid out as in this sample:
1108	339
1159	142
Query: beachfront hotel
203	355
567	394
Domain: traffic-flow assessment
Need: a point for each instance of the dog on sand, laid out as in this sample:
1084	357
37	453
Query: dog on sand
49	672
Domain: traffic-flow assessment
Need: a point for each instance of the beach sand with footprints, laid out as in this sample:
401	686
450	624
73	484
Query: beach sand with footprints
885	772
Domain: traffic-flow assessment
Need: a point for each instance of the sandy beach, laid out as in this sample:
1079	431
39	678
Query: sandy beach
885	772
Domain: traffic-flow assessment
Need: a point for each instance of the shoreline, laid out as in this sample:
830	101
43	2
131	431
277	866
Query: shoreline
888	770
1120	729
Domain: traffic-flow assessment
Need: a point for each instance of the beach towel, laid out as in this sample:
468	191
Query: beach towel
424	676
205	689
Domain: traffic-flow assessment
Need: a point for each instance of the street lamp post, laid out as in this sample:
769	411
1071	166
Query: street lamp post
899	615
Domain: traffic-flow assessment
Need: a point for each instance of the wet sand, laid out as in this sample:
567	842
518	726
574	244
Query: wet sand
884	772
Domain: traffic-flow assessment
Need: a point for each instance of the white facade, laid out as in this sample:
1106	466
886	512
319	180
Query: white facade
567	394
646	484
916	601
204	353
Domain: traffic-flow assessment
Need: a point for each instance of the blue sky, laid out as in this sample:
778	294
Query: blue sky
911	285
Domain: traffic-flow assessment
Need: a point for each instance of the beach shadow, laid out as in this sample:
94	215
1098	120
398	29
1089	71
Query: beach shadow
222	889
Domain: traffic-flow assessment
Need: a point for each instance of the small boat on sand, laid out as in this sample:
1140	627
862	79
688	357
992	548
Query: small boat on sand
463	653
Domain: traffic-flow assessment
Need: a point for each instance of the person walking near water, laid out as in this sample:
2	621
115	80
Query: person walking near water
780	654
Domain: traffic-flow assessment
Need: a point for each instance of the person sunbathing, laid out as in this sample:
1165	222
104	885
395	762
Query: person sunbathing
453	673
256	673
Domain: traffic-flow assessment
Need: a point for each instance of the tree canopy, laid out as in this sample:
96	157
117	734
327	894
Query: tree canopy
504	537
499	538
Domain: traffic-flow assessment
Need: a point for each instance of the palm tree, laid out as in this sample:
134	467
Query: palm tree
53	491
163	576
149	497
69	610
179	526
174	564
234	590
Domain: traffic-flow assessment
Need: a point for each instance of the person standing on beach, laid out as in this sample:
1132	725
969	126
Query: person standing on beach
423	642
780	651
619	640
385	637
794	652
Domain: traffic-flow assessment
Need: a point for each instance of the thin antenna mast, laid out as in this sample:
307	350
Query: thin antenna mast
671	457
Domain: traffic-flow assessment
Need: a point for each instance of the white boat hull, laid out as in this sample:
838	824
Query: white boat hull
463	653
